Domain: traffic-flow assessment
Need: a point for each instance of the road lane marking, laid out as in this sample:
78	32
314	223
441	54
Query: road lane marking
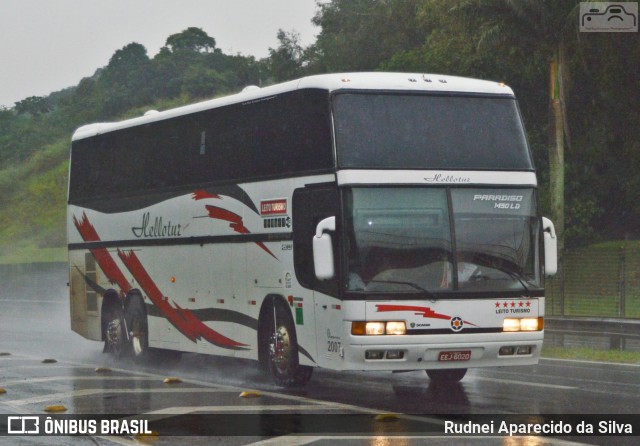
185	410
295	440
80	378
89	392
525	383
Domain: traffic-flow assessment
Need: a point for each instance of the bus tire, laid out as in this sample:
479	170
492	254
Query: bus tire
446	375
282	349
136	318
113	324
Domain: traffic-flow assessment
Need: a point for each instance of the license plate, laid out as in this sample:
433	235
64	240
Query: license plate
463	355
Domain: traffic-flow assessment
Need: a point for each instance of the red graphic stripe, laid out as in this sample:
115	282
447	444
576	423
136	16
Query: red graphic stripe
203	195
237	224
222	214
102	256
184	320
426	312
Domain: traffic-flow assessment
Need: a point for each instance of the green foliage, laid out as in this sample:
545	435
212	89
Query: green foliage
503	40
287	60
33	202
33	105
358	35
192	39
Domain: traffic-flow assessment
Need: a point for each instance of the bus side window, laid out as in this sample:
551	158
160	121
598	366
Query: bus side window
310	206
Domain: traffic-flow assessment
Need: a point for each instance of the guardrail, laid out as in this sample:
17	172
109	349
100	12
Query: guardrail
603	333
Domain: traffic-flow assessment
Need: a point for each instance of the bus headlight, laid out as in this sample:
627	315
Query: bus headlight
524	324
529	324
510	324
376	328
396	328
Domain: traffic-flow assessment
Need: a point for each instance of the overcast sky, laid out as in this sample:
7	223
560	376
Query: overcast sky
48	45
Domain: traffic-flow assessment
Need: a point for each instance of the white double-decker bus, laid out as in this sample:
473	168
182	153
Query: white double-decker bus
365	221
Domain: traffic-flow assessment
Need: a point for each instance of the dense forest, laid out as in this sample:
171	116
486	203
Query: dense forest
579	94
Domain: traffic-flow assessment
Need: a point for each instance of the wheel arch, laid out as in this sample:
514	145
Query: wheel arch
134	297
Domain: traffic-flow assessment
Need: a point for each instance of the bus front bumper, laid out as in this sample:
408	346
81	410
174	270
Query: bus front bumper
396	353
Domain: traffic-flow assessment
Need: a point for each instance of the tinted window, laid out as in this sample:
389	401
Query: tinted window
283	135
429	132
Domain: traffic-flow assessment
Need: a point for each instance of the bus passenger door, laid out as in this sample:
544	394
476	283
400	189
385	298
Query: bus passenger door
312	205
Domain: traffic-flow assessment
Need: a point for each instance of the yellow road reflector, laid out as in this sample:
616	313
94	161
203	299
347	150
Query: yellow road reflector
386	417
102	370
49	361
147	438
172	380
250	394
59	408
2	390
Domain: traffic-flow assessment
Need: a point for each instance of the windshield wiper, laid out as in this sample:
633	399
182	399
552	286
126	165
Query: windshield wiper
414	285
509	272
519	278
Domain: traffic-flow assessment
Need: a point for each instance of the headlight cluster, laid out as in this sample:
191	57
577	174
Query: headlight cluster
363	328
523	324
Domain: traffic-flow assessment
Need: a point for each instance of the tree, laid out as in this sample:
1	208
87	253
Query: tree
127	79
202	82
191	39
542	26
33	105
360	34
287	60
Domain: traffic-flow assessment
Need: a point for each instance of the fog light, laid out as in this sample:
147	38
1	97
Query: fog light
395	354
507	351
524	350
374	354
396	328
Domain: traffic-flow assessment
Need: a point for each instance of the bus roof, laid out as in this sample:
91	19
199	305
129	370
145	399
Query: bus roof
329	82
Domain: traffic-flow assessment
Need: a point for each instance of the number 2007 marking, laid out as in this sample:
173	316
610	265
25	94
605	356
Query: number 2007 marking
333	346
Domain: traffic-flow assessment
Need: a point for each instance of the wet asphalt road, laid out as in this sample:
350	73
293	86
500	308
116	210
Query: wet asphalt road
34	323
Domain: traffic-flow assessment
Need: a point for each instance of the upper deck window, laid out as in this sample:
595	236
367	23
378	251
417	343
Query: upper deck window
419	131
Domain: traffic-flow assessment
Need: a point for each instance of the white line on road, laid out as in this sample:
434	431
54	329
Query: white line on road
524	383
89	392
184	410
294	440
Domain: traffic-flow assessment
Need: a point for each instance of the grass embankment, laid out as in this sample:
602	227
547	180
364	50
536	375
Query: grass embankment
33	201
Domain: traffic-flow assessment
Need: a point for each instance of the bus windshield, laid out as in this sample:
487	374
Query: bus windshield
413	131
403	239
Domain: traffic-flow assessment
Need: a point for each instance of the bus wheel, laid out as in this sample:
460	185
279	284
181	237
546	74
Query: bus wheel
115	339
138	331
446	375
283	351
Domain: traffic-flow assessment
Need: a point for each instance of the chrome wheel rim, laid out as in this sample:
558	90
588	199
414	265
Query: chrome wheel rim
280	348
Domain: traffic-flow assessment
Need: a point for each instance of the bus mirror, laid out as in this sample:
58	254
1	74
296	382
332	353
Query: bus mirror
550	247
323	249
